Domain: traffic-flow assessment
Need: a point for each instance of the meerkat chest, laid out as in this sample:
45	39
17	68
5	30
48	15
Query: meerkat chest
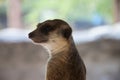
57	71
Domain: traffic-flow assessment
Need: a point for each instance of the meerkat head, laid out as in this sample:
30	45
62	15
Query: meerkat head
52	34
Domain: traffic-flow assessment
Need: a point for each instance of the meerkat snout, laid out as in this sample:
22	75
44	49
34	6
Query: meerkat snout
31	35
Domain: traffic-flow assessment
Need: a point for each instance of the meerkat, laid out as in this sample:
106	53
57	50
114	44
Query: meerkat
64	62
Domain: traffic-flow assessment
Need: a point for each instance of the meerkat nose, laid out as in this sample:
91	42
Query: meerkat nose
31	35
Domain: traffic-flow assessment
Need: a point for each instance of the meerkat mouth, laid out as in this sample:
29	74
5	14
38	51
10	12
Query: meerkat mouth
38	40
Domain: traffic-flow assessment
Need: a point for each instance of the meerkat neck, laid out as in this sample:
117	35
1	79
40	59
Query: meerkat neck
57	46
60	49
64	49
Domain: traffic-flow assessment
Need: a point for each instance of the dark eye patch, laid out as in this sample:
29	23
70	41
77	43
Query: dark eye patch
45	29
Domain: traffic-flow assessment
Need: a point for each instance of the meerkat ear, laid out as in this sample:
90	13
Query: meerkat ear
66	31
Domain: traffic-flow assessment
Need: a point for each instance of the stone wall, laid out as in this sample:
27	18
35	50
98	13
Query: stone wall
26	61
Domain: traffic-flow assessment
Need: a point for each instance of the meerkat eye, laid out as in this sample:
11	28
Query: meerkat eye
46	29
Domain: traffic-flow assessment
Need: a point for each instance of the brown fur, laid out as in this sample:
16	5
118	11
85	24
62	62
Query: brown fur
65	62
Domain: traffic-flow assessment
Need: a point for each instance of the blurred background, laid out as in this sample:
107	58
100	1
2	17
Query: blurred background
96	32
